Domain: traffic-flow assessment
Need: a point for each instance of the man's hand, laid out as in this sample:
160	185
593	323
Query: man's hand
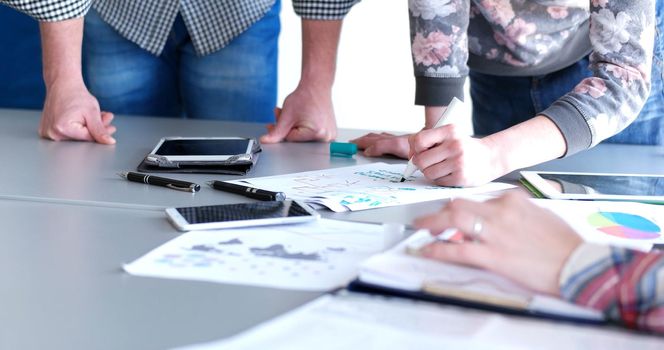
72	113
306	116
376	145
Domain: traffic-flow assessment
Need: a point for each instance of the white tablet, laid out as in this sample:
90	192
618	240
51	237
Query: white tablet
598	186
240	215
202	149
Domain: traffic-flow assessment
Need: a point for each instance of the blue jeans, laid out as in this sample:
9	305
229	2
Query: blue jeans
21	84
238	82
501	102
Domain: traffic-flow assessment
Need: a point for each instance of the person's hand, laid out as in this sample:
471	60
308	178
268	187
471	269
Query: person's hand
451	159
72	113
511	236
376	145
307	115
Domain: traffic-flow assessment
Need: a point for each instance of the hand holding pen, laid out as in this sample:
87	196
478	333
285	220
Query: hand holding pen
161	181
451	109
449	158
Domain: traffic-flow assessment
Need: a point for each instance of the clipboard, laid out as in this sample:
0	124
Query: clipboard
400	274
514	309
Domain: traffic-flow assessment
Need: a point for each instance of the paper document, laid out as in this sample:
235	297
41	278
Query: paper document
624	224
398	270
316	256
362	187
353	321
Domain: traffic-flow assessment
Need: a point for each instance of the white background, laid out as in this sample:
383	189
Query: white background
375	87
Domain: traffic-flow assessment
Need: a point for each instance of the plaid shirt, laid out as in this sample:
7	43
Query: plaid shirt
212	24
627	285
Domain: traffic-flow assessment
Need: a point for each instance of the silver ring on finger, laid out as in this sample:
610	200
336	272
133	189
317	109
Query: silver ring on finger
478	226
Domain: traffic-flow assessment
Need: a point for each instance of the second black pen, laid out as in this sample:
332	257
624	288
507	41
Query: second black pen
161	181
251	192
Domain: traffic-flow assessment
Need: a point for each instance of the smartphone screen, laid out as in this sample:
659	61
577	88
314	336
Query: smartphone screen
240	215
203	147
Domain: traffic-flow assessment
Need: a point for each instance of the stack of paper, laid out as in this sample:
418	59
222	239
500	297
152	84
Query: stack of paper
364	322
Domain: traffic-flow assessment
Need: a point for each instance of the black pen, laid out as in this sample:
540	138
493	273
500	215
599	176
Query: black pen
251	192
161	181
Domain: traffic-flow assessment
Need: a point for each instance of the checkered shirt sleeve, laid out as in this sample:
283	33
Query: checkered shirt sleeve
50	10
323	9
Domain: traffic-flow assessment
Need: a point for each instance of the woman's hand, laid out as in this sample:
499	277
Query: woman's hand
376	145
449	158
509	235
444	156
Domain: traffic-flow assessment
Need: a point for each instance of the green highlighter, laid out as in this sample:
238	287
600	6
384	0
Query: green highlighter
342	149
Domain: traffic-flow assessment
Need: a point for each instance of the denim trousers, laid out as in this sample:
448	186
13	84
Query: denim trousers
21	82
235	83
500	102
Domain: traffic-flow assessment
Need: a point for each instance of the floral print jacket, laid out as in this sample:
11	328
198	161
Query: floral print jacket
534	37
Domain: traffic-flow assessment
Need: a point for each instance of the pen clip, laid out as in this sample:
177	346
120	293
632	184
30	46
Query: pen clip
190	188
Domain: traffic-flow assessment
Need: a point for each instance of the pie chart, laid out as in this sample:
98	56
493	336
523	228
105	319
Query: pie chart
624	225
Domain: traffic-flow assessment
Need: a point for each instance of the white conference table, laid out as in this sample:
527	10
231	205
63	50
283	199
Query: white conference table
65	235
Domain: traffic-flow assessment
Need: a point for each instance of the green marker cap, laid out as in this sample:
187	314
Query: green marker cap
343	149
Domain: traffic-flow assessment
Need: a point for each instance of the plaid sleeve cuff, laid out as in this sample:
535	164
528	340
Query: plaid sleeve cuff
586	262
50	10
323	9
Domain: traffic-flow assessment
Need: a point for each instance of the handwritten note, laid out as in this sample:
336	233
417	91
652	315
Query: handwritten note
362	187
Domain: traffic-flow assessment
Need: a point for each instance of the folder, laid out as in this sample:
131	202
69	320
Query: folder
397	273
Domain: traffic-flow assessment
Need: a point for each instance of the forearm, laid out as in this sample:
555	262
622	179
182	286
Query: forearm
432	114
307	113
61	51
320	41
532	142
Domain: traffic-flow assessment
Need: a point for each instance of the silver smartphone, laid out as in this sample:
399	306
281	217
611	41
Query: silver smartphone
240	215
